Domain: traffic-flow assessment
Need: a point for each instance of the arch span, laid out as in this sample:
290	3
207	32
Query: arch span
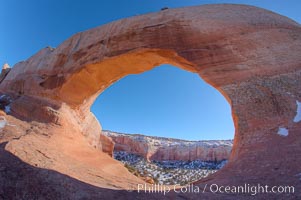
252	56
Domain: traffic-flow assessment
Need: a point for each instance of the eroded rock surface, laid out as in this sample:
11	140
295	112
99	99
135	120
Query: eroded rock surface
159	148
5	69
252	56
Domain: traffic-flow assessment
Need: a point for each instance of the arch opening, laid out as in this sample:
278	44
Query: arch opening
152	155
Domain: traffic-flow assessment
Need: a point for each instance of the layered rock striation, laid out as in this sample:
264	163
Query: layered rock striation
160	148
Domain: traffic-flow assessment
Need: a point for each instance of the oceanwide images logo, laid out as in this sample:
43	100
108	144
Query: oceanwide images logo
214	188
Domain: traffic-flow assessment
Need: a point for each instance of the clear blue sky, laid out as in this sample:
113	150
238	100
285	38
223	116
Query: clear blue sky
166	101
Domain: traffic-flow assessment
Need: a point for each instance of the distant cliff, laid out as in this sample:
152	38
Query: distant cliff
160	148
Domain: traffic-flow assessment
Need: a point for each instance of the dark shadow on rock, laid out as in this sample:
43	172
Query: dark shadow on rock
19	180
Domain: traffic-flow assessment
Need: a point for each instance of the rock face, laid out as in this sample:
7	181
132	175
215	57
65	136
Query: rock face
252	56
5	69
159	148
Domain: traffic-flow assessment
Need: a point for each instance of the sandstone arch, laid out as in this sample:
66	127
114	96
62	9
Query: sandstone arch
252	56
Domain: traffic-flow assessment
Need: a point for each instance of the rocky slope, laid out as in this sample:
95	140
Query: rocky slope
169	172
160	148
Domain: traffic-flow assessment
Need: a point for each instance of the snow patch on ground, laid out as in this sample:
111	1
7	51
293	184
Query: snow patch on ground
169	172
282	131
298	115
2	122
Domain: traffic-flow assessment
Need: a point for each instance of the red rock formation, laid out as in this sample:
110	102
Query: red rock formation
158	148
252	56
5	69
186	153
130	145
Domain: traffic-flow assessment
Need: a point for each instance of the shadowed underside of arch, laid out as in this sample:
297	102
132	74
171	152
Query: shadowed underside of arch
252	56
